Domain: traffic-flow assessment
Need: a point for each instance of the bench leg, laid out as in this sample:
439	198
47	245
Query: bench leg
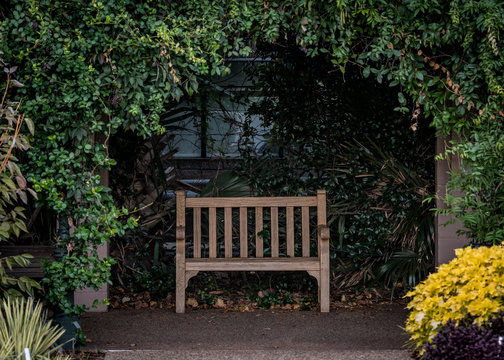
180	288
323	287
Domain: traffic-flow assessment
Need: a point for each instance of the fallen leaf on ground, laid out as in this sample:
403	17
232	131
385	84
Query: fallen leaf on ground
219	304
192	302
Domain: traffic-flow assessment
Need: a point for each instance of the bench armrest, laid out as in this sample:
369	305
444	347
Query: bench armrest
324	232
180	233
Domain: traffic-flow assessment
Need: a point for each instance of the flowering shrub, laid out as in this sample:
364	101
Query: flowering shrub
468	341
471	284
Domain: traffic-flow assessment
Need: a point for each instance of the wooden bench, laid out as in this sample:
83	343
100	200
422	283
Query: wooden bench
34	270
234	225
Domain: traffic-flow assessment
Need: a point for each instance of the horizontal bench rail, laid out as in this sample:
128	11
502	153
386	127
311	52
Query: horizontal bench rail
236	202
253	264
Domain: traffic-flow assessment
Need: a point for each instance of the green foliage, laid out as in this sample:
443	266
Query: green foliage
72	273
279	292
141	265
266	299
447	58
23	324
93	67
11	286
478	199
205	294
314	118
226	184
13	187
157	280
469	285
206	298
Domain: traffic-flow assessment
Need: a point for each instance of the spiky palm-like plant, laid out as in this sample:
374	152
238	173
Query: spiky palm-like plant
23	324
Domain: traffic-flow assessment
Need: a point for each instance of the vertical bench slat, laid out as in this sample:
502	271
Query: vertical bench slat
197	232
274	231
228	232
243	232
305	224
212	232
258	229
290	231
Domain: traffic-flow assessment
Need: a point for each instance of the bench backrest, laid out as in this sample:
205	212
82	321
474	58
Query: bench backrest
284	217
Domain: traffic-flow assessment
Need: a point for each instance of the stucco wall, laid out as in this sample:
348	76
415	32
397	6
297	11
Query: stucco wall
447	239
87	296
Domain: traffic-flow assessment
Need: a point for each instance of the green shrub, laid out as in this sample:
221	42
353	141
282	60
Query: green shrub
23	324
13	185
327	131
471	284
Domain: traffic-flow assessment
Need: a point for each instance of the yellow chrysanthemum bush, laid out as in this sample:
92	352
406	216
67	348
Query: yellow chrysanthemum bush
470	286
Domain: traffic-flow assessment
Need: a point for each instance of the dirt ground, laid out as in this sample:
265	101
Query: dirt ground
374	327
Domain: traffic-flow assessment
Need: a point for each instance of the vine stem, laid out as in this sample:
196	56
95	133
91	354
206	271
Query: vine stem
13	142
6	88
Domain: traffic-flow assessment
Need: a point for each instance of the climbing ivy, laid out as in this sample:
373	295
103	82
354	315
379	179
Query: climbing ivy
93	67
446	58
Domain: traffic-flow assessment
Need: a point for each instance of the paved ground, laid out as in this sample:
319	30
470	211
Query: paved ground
364	333
259	355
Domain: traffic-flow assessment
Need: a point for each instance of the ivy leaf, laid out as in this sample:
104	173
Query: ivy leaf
33	193
31	127
402	99
16	83
23	197
366	72
8	181
21	181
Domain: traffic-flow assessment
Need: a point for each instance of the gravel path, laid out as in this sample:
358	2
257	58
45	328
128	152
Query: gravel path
258	355
361	333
